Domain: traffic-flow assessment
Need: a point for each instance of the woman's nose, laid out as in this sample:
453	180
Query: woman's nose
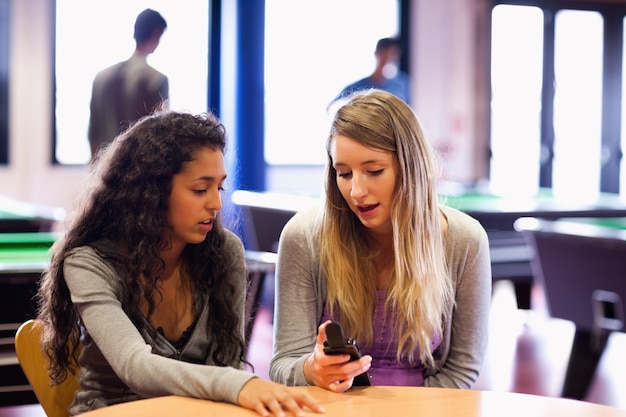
214	201
358	187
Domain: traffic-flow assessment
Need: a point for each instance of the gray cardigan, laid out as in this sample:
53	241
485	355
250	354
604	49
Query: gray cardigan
117	362
301	292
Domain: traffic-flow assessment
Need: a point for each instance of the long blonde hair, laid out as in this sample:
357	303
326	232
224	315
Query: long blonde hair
420	290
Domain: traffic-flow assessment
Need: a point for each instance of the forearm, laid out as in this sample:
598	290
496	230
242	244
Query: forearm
298	306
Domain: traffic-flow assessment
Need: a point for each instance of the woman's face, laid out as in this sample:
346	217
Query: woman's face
366	178
195	198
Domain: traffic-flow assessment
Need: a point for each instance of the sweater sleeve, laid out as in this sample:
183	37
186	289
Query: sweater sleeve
299	299
465	342
92	284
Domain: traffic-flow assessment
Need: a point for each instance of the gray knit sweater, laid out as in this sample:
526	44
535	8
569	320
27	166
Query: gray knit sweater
117	363
301	292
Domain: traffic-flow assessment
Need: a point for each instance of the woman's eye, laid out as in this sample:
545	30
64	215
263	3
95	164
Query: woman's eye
377	172
344	174
199	191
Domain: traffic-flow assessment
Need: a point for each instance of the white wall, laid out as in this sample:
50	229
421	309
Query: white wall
444	96
443	70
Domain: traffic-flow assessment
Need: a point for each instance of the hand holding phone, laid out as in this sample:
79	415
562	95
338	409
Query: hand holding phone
337	344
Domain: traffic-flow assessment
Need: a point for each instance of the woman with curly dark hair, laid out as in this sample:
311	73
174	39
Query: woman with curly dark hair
149	283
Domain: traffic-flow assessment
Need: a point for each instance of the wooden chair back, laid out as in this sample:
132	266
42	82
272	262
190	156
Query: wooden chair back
55	399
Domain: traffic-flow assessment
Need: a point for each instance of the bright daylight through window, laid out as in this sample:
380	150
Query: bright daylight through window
323	46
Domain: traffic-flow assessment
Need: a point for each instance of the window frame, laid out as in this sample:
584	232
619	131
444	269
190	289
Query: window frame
613	13
5	78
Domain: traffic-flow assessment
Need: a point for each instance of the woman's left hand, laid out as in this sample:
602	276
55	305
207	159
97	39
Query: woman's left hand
272	399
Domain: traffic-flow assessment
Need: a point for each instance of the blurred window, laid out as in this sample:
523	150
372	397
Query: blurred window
553	83
310	56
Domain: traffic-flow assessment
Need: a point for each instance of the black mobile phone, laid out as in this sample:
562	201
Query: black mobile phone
337	344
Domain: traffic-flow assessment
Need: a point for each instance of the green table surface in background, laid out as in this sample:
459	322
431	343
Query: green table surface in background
26	247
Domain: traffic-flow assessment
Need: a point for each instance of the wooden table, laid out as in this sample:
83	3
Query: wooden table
379	401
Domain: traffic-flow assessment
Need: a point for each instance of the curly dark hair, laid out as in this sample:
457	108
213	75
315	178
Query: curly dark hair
122	218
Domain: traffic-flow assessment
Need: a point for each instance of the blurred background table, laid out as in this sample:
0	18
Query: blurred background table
20	216
265	214
23	257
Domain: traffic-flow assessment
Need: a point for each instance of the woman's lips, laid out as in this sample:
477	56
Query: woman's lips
366	208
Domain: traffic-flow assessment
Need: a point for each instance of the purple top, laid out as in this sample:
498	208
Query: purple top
385	369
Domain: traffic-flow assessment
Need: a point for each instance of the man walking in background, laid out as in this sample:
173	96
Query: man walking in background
386	75
128	90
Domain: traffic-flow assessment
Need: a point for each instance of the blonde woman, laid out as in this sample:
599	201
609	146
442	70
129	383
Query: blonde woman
407	277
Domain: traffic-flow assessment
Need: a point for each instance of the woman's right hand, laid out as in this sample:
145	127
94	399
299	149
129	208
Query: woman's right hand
333	372
272	399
